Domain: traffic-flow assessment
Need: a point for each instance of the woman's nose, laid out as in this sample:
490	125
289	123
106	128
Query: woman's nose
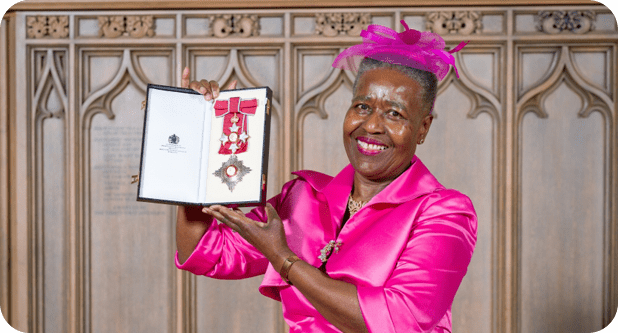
373	123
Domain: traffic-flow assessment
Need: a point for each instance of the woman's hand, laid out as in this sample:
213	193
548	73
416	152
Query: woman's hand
336	300
268	238
210	89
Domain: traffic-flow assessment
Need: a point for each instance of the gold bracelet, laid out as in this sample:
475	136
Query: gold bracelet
285	269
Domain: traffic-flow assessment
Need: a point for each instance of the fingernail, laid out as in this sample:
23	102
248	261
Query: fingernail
205	210
185	71
203	90
207	97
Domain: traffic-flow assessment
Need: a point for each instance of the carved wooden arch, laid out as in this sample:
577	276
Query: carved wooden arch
313	102
481	99
104	106
136	54
593	99
310	92
534	98
100	100
242	66
97	102
52	77
607	50
521	92
303	51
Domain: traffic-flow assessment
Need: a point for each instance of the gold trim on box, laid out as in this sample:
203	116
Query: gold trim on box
134	179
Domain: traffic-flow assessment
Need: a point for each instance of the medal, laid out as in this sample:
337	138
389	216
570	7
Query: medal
231	172
234	138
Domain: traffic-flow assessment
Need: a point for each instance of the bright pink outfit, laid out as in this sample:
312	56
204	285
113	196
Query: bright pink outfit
406	251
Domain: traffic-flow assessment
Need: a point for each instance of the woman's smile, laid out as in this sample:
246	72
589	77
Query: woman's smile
370	147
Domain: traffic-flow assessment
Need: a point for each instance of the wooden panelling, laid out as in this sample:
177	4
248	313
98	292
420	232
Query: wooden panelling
125	240
49	252
528	131
563	126
20	196
4	174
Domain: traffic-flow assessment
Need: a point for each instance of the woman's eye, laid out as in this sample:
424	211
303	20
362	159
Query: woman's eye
395	114
363	107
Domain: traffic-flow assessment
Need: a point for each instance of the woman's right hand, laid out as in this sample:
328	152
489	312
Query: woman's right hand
210	89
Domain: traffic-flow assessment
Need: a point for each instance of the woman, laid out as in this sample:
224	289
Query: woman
380	247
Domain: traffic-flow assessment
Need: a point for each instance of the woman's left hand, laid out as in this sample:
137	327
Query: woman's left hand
268	238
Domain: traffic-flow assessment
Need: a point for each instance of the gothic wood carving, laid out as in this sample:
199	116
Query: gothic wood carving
454	22
47	26
335	24
135	26
575	21
234	25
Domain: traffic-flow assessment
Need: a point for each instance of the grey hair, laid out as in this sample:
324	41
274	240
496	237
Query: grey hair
427	80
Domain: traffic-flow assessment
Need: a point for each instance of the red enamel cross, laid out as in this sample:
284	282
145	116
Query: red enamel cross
235	136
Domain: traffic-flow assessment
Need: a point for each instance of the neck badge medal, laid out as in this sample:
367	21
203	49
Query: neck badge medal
235	137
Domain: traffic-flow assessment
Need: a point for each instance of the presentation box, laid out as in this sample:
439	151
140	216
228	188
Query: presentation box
198	152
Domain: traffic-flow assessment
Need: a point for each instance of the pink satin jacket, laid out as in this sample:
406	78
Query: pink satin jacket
406	250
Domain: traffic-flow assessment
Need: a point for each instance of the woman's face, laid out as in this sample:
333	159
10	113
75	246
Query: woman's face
384	124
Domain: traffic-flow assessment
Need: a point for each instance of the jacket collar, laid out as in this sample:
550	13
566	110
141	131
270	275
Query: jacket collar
416	181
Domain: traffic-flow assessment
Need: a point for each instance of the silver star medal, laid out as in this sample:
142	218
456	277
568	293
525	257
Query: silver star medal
231	172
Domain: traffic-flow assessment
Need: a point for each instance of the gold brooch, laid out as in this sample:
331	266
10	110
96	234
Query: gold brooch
326	251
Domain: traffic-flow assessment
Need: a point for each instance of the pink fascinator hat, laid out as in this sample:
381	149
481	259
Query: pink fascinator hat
411	48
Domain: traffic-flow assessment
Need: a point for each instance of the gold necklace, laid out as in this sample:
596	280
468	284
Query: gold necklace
354	206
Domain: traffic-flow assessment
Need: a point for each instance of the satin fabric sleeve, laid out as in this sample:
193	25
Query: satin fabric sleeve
423	284
224	254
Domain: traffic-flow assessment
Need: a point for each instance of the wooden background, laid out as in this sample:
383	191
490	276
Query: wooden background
528	131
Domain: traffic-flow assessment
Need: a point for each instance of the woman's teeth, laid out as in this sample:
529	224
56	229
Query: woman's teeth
370	146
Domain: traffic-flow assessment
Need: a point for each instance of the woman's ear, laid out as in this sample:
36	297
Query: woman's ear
424	128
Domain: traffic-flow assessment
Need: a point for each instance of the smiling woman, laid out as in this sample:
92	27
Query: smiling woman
385	122
380	247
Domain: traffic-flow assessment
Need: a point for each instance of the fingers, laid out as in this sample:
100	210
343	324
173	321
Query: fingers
234	219
240	212
232	85
230	215
184	82
222	218
210	89
203	87
271	212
